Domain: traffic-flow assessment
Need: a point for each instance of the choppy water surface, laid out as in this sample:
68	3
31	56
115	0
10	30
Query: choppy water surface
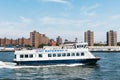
108	68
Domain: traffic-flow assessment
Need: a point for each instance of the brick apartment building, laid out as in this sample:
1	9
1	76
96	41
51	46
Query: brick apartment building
23	41
89	37
36	39
5	41
111	38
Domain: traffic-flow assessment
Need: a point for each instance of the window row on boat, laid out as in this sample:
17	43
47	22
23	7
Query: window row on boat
65	54
53	55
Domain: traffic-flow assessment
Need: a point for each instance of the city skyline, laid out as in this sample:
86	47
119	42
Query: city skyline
37	39
66	18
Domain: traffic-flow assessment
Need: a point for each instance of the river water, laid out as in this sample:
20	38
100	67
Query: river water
108	68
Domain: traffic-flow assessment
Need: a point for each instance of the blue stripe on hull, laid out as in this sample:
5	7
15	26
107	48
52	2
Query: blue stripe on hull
53	62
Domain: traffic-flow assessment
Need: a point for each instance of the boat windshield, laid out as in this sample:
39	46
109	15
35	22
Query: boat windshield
81	46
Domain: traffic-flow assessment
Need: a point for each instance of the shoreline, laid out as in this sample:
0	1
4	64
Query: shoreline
104	51
89	50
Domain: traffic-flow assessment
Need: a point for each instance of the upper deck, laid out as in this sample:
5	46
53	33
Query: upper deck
77	45
57	49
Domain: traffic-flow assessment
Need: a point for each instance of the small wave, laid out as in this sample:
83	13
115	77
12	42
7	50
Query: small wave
2	63
72	65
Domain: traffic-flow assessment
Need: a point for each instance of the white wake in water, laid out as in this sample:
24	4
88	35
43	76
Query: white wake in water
12	65
7	64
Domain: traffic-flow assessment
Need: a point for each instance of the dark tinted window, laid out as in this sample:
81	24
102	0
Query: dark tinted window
21	56
31	55
15	56
54	55
82	54
26	56
49	55
40	55
77	54
73	54
63	54
68	54
59	55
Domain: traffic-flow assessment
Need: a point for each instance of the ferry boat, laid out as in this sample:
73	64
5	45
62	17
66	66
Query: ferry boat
76	53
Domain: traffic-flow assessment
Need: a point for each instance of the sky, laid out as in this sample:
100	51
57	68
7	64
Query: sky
66	18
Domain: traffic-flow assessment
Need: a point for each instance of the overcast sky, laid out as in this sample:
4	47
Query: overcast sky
66	18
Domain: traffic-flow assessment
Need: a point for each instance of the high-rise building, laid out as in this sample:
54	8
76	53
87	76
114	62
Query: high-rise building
36	39
89	37
111	38
59	40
